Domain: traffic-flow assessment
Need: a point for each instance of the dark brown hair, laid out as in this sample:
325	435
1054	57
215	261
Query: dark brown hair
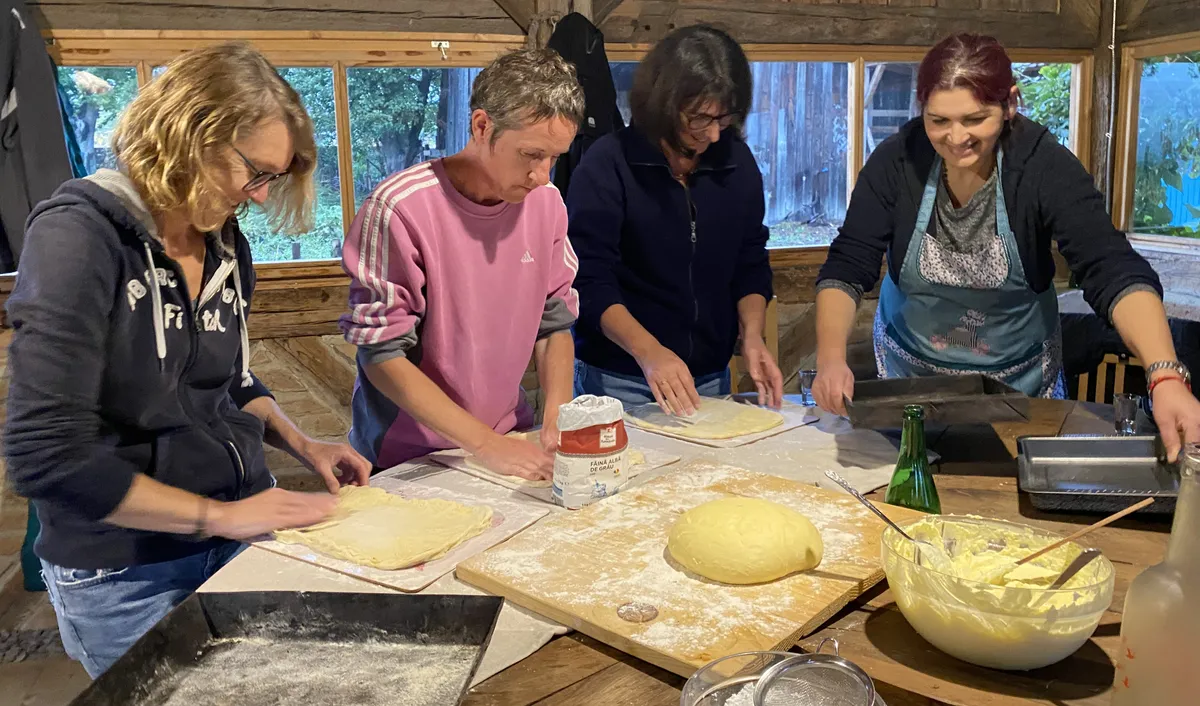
687	67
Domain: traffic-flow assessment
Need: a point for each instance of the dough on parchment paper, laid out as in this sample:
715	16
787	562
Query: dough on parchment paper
744	540
372	527
715	419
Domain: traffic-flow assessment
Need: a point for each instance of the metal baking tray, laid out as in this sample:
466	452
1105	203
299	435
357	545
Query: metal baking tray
1100	474
947	399
316	649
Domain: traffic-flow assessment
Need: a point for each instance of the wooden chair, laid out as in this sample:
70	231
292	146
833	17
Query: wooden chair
1118	364
738	367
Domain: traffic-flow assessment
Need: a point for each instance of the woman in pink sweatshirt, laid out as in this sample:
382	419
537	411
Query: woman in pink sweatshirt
460	271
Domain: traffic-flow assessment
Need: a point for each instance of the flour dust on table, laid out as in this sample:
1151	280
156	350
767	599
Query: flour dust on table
580	568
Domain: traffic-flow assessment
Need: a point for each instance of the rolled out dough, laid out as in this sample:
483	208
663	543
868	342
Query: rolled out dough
715	419
372	527
634	458
744	540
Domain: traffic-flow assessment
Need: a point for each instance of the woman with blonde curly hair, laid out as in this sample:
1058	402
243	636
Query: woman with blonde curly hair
134	424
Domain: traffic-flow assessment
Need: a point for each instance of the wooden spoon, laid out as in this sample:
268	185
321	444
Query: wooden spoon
1106	521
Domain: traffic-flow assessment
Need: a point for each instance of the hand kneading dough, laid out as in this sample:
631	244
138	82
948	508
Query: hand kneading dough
744	540
372	527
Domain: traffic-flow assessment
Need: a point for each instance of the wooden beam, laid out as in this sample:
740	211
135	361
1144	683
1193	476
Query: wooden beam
521	11
601	9
341	116
283	48
1105	68
857	102
1125	140
474	16
805	23
1162	18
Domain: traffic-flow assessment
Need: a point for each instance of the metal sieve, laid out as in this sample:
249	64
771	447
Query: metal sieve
815	679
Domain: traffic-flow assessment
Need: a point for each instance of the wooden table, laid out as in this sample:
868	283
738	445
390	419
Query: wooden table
977	475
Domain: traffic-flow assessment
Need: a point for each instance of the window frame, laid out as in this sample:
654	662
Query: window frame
340	50
1082	76
1125	159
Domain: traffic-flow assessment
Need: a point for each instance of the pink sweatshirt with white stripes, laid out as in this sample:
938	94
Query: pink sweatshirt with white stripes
462	290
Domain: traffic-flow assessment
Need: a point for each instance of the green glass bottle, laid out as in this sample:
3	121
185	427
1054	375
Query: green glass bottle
912	482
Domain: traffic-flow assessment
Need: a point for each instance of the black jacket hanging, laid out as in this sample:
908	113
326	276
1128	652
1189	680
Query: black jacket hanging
33	152
578	41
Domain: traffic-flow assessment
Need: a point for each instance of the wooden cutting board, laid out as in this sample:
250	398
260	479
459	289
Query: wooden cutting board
579	567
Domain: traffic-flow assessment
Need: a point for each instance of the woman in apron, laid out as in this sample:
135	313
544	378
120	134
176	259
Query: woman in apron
965	202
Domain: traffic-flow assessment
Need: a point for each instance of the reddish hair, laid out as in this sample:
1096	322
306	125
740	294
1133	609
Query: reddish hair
972	61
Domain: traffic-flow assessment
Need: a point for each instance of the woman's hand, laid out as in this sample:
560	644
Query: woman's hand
834	380
670	381
270	510
549	433
512	456
764	372
1177	414
337	463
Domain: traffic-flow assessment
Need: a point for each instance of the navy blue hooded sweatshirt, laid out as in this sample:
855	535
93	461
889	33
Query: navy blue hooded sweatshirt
116	372
679	259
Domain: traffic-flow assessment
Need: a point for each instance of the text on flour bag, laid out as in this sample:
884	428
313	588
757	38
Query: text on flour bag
591	459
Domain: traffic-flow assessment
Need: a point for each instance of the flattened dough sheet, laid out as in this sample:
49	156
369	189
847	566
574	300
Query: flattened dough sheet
372	527
715	419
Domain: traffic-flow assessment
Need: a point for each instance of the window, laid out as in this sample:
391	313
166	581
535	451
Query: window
1166	179
798	132
1046	96
315	86
889	100
402	116
96	95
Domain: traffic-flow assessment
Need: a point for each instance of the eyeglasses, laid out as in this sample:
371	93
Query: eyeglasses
260	177
701	121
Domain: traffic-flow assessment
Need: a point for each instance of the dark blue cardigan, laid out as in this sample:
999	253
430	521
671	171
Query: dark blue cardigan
631	225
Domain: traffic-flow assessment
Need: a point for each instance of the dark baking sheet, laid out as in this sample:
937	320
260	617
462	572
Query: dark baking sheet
259	648
1102	474
947	399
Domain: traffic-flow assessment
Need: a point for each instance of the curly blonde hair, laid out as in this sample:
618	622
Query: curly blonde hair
174	138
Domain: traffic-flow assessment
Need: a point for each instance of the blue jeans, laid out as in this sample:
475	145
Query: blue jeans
590	380
102	612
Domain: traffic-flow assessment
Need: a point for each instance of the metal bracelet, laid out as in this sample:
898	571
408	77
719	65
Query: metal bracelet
1174	365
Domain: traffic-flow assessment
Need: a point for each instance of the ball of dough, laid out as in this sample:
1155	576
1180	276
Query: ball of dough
744	540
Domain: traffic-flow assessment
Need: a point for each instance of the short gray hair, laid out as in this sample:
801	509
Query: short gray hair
527	86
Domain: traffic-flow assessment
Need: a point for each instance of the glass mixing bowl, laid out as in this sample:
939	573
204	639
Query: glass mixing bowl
1001	627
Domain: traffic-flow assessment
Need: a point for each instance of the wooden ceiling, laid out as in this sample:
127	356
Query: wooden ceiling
1068	24
1043	23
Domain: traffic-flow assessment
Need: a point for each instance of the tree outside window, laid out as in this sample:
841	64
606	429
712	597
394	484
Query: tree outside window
1166	189
401	116
96	96
315	86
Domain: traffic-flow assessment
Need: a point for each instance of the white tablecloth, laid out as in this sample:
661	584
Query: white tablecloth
864	458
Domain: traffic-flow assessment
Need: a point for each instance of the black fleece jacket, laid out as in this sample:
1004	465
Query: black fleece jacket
1049	195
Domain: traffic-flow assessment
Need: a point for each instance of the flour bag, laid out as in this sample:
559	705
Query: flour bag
592	457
